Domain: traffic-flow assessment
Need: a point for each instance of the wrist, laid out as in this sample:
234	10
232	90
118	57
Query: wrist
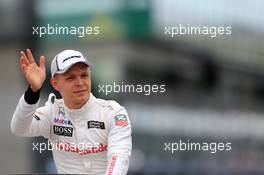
31	96
34	89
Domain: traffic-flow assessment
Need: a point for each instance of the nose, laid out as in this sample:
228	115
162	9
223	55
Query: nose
78	81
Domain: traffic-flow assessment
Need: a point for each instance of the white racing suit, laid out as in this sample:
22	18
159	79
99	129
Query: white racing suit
95	139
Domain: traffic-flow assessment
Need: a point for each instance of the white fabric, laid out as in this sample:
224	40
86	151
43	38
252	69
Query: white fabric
107	150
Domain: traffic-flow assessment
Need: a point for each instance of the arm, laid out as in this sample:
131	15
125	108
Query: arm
29	120
119	144
23	123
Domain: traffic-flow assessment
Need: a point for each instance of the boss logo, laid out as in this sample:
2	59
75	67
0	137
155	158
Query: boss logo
62	130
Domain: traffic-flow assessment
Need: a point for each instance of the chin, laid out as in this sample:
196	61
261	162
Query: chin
83	97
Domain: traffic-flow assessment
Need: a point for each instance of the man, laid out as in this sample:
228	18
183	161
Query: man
88	135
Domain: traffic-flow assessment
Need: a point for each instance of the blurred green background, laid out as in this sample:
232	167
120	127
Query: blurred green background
214	86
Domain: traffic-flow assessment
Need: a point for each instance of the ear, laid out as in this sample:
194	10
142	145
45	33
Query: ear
53	82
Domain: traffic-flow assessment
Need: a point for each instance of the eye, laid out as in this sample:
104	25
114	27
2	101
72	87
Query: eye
84	75
69	78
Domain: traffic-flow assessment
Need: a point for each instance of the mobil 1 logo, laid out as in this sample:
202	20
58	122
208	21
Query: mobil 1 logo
63	130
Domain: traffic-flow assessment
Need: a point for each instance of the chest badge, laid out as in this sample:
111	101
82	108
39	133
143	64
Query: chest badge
95	124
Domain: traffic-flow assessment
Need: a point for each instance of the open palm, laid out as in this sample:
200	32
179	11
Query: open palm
34	74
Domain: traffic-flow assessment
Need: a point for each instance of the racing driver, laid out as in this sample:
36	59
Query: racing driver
88	135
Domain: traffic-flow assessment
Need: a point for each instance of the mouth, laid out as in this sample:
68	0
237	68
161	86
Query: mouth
79	91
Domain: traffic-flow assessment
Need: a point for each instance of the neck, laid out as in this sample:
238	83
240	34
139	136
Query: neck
75	105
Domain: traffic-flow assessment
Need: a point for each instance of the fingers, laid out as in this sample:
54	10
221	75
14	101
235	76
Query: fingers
30	56
22	63
42	62
28	59
24	57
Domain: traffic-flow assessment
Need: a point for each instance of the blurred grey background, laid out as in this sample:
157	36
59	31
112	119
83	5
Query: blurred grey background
214	86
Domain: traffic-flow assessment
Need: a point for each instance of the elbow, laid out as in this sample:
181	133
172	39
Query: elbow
15	130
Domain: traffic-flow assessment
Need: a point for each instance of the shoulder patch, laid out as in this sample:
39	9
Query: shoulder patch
121	120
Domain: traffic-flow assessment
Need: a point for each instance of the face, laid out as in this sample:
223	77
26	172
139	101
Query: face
74	85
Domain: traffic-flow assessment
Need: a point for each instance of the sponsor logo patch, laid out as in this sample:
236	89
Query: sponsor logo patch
121	120
58	120
61	111
63	131
68	147
74	56
96	124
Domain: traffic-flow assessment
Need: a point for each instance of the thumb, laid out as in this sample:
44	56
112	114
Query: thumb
42	62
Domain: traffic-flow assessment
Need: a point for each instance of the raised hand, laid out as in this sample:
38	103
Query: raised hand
34	74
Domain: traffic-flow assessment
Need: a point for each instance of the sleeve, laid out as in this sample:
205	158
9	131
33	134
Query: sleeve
119	143
29	120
